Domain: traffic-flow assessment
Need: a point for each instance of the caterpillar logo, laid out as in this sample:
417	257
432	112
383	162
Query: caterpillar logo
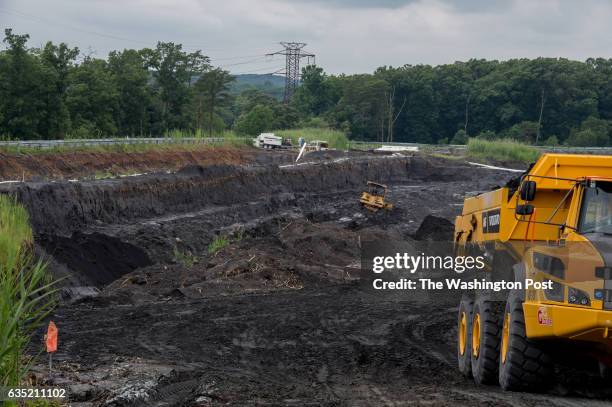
490	221
543	318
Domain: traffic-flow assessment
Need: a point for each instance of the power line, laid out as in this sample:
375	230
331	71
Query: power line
264	58
19	14
236	57
254	59
260	70
34	18
293	54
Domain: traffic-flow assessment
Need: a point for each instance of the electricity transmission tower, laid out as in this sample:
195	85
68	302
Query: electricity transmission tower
293	53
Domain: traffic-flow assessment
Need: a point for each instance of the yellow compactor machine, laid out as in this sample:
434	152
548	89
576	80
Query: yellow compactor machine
552	226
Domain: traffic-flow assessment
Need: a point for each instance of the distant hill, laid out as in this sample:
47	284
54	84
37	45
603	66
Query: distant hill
273	85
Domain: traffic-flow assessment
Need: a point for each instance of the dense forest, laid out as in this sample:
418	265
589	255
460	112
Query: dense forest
57	92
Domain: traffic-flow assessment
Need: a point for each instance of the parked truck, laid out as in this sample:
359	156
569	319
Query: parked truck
270	141
553	226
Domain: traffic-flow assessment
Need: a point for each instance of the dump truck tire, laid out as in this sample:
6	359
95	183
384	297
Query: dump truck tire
523	364
464	335
486	335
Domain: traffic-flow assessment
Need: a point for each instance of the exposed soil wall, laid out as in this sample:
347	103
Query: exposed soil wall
65	207
76	164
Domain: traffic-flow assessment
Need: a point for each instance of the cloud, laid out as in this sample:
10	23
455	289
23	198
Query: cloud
347	35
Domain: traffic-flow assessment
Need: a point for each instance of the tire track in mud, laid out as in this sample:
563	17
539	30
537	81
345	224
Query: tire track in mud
329	346
431	326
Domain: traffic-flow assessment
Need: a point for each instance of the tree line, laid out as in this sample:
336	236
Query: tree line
538	101
56	92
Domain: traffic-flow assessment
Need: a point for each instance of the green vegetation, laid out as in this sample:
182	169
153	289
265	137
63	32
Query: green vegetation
26	294
502	150
43	403
272	85
185	258
217	244
335	138
45	93
532	101
255	121
230	139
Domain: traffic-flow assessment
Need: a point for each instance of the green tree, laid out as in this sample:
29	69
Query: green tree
20	89
93	99
212	95
285	115
130	78
256	121
314	96
460	137
174	69
411	108
592	132
526	132
57	63
586	138
362	106
196	64
250	98
551	141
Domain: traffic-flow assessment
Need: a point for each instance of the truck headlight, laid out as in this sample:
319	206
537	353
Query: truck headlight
576	296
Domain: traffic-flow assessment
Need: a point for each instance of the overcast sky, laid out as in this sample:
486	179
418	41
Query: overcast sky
349	36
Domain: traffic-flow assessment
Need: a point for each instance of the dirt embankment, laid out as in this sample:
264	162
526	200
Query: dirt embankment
95	164
65	207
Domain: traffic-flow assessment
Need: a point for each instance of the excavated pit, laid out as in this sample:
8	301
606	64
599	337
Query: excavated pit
95	258
275	314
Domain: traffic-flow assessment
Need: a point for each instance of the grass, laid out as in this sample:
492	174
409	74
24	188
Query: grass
335	138
103	175
502	150
43	403
26	293
177	143
217	244
187	259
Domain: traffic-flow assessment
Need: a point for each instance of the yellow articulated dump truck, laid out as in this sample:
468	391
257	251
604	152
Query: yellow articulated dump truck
550	233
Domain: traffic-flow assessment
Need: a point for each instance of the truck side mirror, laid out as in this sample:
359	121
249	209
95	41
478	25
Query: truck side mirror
528	190
524	209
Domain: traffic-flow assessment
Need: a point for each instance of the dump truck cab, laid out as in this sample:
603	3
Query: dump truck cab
553	227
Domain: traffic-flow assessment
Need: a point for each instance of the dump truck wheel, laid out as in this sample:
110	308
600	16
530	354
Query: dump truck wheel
486	329
464	335
523	364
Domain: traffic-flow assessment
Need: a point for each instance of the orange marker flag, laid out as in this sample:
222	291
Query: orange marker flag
51	337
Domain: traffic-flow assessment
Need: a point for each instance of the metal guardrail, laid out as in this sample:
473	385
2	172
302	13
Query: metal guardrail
357	145
42	144
567	149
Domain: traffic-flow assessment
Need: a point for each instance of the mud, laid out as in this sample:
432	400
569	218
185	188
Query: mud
240	285
95	258
435	229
